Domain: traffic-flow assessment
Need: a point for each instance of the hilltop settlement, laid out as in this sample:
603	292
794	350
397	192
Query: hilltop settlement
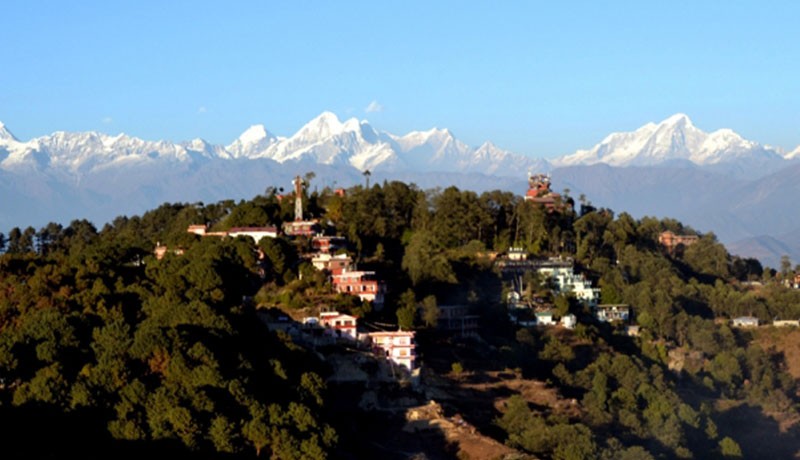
386	321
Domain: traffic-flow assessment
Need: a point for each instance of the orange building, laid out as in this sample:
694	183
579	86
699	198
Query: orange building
673	242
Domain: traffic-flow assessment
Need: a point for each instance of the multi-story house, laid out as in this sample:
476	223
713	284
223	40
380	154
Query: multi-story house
567	281
361	283
339	324
335	265
397	346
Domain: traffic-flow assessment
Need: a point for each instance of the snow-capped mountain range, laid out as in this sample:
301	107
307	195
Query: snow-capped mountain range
324	140
329	141
674	139
671	168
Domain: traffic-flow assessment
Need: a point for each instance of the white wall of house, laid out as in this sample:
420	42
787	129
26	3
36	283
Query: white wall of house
568	282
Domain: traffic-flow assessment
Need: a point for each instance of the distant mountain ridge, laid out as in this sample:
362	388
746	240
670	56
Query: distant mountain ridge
677	140
327	140
741	190
324	140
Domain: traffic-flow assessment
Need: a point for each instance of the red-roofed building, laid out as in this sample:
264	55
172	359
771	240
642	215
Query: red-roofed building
539	191
328	244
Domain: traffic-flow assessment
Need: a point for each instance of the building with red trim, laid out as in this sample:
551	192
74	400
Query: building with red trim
335	265
328	244
339	324
363	284
539	191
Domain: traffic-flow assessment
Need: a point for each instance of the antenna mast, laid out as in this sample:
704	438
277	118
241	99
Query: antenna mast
298	198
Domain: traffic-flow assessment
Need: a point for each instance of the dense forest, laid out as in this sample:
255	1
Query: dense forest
106	350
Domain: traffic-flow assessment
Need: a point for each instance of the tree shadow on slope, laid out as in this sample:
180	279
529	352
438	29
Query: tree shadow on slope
45	433
382	431
759	435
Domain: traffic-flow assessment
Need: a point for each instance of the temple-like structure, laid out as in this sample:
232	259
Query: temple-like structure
539	191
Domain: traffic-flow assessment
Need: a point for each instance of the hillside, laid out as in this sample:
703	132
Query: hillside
205	348
754	217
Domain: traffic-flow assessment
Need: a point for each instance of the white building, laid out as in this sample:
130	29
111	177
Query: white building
544	318
745	321
786	323
398	347
608	313
339	325
569	321
256	233
568	282
517	254
336	264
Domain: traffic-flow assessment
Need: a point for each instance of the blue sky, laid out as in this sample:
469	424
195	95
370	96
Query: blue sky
542	79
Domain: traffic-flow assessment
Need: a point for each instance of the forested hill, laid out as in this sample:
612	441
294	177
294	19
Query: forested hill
106	350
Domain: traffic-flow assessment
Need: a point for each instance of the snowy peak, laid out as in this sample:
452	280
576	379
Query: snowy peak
5	134
323	140
323	126
432	136
489	149
675	138
794	154
439	150
434	144
201	149
252	143
254	134
679	119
